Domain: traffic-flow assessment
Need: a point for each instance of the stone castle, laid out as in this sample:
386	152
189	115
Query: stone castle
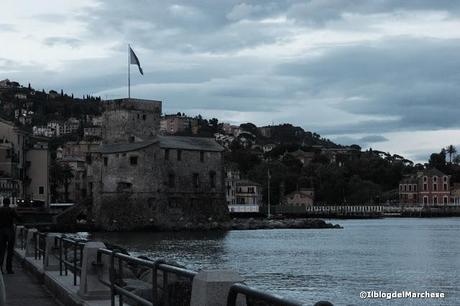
139	179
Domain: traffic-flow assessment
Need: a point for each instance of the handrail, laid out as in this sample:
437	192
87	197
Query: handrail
2	291
249	292
39	245
116	275
64	244
23	238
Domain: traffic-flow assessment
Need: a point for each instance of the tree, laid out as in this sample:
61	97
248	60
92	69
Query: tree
451	150
438	160
456	160
60	175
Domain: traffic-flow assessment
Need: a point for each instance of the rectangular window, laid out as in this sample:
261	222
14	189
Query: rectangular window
425	200
435	187
196	180
144	117
106	161
415	187
179	155
425	187
446	200
212	179
88	159
133	160
171	180
435	200
445	187
166	154
201	156
41	190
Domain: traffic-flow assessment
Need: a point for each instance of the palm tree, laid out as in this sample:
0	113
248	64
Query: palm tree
451	150
456	160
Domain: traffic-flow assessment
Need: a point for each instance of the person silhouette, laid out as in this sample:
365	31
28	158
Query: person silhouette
8	216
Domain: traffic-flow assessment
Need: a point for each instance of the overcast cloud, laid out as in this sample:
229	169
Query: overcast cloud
383	74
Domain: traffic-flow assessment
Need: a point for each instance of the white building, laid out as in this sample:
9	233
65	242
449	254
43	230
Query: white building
56	128
243	196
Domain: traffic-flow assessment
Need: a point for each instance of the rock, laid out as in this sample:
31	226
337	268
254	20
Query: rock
251	223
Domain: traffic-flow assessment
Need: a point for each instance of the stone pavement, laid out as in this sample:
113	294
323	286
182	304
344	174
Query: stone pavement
23	289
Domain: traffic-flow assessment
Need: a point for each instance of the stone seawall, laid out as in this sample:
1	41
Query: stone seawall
178	213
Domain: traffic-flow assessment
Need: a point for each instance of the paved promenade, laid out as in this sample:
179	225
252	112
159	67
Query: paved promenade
23	289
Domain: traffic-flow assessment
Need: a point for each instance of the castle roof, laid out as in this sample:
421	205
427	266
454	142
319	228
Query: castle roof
190	143
109	148
167	142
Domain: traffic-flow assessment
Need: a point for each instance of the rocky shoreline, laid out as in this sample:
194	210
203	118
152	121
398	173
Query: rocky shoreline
213	225
251	223
257	223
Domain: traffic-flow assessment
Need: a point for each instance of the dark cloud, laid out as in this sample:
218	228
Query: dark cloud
6	27
320	12
373	139
234	57
69	41
187	26
52	18
364	141
408	84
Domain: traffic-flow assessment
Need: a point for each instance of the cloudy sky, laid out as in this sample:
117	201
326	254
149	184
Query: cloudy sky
383	74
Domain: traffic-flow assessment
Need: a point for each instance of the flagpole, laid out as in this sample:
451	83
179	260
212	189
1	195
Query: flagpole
129	72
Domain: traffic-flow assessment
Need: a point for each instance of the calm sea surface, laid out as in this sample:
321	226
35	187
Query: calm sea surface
328	264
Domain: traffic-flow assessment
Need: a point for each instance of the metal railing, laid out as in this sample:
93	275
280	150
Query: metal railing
39	245
116	277
258	296
69	252
22	237
73	264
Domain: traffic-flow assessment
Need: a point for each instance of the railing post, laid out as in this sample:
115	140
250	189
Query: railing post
51	261
30	242
18	236
90	286
2	291
212	288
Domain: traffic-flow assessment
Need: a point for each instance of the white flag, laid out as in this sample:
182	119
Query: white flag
133	60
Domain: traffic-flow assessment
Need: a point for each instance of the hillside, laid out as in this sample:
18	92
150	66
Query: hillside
295	158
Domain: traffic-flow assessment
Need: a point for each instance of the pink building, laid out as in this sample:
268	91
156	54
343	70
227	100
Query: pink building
428	187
